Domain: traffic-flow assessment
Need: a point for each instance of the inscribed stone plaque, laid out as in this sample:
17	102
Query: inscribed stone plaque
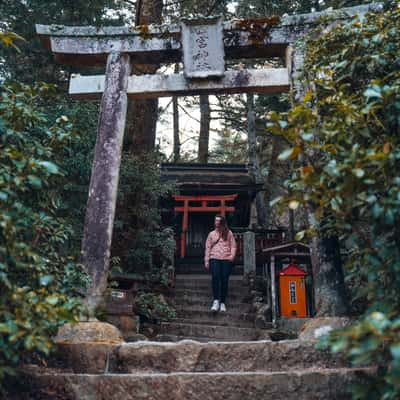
203	47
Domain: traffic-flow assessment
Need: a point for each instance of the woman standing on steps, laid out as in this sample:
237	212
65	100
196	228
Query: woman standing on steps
219	255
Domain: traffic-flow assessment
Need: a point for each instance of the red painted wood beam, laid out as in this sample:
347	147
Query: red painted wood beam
228	197
185	224
224	208
205	209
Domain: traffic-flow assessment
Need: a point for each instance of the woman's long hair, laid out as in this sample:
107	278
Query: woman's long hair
224	226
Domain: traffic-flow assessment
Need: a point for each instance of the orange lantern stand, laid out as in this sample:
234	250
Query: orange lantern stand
292	283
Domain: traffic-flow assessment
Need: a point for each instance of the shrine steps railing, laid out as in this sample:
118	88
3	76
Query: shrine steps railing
264	238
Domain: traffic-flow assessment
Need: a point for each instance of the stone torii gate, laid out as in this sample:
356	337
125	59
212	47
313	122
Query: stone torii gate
203	45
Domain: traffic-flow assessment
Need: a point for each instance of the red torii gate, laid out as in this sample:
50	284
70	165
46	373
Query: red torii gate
222	209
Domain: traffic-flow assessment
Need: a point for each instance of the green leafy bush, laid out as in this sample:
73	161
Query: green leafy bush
38	284
142	244
154	307
141	240
374	340
345	151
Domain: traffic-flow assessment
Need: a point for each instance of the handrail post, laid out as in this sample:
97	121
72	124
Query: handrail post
249	255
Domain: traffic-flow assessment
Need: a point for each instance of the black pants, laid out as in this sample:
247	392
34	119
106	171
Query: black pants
220	271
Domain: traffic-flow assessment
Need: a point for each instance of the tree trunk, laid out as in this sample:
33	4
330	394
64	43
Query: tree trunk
270	180
142	114
205	117
177	143
253	160
329	287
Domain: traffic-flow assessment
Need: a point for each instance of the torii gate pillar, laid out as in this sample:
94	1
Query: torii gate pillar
103	187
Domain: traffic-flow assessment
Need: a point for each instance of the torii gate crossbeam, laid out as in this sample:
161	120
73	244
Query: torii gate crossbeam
251	38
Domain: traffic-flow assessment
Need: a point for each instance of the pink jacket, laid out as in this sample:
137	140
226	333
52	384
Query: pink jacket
220	249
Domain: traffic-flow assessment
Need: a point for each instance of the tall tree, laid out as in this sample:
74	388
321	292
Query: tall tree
204	136
177	142
262	217
175	118
142	114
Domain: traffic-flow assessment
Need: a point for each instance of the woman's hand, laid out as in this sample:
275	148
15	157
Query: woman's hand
207	265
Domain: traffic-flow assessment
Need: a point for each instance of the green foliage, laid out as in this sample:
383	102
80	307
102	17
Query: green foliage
141	240
141	243
262	8
75	159
9	39
35	63
345	148
154	307
159	277
231	147
37	283
373	340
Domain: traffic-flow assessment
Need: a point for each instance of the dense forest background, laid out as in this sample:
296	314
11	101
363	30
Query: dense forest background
336	153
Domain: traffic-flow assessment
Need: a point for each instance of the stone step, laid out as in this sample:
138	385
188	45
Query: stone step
202	302
205	272
210	321
201	277
205	295
175	338
208	289
199	269
267	334
204	307
309	384
216	318
213	331
187	282
189	356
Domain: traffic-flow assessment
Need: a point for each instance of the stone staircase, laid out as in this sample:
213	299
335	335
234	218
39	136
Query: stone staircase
228	360
188	370
195	266
192	300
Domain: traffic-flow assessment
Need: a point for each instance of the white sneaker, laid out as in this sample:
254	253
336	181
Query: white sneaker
215	305
222	307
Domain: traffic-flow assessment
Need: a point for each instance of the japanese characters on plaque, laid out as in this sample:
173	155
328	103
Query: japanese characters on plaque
203	47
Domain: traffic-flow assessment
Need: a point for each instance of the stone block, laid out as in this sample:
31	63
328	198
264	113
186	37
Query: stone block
128	325
91	331
88	358
292	385
190	356
314	328
85	347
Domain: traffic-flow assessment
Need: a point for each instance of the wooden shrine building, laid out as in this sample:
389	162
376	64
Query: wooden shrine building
205	190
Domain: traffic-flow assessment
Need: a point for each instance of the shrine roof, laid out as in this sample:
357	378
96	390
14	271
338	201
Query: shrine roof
210	177
291	246
292	270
